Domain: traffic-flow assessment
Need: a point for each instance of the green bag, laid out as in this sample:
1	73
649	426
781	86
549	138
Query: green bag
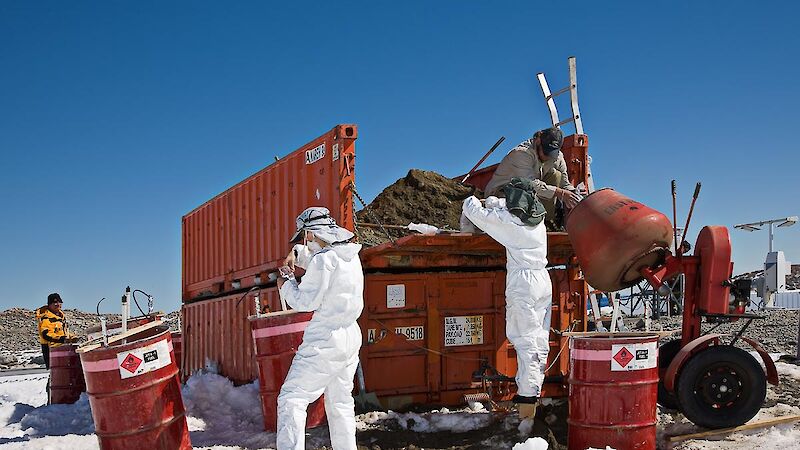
522	202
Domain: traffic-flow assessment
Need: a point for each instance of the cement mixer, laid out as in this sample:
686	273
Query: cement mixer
618	242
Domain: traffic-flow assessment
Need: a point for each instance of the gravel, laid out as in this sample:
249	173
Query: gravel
777	332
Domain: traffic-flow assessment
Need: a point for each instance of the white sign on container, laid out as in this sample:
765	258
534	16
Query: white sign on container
315	154
415	333
629	357
142	360
396	296
463	330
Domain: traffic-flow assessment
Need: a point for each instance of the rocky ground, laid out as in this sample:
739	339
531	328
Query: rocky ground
20	342
777	332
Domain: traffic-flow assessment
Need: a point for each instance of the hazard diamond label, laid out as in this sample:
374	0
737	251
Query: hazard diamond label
629	357
131	363
139	361
623	357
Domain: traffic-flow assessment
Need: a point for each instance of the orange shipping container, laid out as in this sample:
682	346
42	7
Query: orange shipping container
439	318
241	234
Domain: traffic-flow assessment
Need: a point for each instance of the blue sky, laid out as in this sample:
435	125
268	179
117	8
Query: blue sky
116	118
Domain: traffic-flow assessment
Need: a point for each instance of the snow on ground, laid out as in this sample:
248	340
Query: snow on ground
790	370
780	437
226	417
535	443
458	421
26	424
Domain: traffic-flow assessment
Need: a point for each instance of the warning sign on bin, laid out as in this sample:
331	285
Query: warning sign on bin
139	361
463	330
626	357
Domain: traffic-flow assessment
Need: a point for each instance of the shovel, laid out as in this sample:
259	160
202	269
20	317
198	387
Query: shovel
365	401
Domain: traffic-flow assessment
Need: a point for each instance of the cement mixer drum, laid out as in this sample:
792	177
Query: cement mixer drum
614	237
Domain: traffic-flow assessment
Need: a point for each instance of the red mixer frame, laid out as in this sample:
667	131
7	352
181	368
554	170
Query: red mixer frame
708	276
707	294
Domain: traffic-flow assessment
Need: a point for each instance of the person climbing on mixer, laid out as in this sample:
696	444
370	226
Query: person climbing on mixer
326	361
516	222
540	160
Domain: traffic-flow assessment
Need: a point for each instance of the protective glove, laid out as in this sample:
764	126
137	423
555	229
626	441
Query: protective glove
570	198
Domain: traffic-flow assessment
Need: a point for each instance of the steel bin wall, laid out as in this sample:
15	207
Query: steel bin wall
276	338
243	232
136	411
66	375
410	354
613	394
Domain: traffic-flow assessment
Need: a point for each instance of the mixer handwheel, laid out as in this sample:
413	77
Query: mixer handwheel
720	387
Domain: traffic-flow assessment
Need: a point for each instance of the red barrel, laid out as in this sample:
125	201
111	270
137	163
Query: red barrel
66	375
613	391
177	347
135	393
614	236
276	337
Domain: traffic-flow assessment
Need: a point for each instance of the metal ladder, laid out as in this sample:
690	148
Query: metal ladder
549	98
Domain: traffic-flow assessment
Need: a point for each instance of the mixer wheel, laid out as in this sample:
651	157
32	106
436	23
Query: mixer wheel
666	353
721	387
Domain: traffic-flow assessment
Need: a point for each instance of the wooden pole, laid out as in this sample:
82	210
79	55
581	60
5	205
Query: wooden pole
748	426
121	336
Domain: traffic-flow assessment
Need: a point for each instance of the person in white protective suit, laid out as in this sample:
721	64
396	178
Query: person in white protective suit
326	361
517	223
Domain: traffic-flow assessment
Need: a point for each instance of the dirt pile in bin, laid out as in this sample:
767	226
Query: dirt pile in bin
421	197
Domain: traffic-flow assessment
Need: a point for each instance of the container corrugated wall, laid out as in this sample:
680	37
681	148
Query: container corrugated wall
787	299
217	331
243	232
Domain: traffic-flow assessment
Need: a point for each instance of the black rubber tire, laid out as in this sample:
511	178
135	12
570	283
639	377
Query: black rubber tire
666	353
721	387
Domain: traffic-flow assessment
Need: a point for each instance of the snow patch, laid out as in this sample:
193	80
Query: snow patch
790	370
223	414
779	437
535	443
60	420
525	427
369	420
435	421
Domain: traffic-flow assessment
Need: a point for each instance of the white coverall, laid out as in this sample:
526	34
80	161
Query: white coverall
529	290
326	361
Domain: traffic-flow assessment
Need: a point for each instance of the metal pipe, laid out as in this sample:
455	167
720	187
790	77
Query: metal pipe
104	330
126	308
691	211
491	150
675	216
771	236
